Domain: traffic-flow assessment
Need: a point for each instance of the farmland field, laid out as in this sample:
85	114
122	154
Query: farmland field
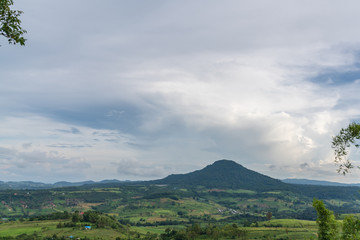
274	229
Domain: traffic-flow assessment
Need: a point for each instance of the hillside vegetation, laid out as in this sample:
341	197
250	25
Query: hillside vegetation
223	195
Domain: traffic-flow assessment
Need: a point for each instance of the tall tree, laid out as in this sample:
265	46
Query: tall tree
328	229
346	138
10	23
342	142
351	228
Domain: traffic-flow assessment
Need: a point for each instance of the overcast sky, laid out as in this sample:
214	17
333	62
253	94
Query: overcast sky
142	89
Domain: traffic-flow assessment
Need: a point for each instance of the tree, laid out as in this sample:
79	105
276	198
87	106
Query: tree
350	229
268	215
341	142
75	217
10	23
328	229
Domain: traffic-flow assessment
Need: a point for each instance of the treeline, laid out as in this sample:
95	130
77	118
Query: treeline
100	220
36	236
195	231
328	192
52	216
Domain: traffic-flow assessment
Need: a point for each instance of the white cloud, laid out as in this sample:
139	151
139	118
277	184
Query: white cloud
57	149
148	89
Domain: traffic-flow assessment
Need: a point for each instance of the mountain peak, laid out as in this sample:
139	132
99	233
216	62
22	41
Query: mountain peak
225	162
225	174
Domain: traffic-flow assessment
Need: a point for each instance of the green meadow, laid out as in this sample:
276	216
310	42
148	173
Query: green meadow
274	229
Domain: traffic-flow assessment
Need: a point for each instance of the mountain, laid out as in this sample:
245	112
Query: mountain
23	185
71	184
113	181
221	174
29	185
318	183
225	174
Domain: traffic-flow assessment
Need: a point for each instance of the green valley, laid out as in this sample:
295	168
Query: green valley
187	206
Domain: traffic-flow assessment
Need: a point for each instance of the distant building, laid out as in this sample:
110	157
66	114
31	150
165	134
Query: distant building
87	227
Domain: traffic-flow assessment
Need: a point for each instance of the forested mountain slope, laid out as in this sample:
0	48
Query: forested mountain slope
225	174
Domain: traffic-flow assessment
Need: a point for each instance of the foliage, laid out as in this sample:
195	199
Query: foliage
328	228
225	174
100	220
195	231
351	228
10	23
50	229
268	215
184	209
52	216
341	142
150	205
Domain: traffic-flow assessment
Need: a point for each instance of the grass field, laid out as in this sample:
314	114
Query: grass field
274	229
48	228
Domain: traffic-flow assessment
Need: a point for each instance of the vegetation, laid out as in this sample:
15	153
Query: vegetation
351	228
10	26
342	142
274	229
145	205
146	211
328	228
225	174
150	210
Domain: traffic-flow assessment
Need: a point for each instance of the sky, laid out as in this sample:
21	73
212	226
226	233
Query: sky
138	90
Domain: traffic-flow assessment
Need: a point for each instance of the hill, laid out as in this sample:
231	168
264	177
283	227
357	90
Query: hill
225	174
318	182
223	192
29	185
24	185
